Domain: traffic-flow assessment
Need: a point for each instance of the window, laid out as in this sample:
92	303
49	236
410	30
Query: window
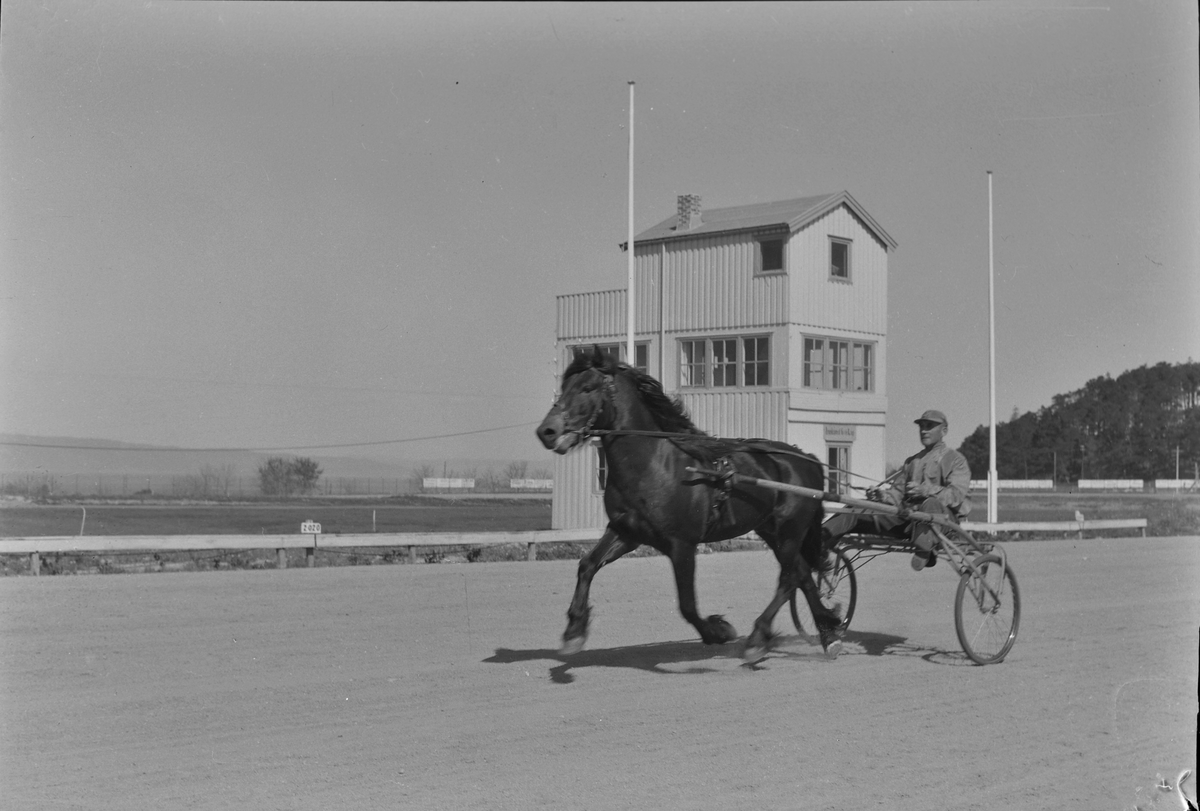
756	364
641	351
693	364
839	365
724	362
839	259
769	256
861	378
838	480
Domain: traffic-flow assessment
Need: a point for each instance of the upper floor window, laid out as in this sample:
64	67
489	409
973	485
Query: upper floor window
839	258
641	351
839	365
768	256
742	361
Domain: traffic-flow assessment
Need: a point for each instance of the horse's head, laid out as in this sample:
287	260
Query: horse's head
585	403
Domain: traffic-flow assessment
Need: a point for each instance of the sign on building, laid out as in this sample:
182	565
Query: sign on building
839	433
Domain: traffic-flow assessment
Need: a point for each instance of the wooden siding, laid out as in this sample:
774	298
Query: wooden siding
709	284
822	304
577	504
739	413
602	314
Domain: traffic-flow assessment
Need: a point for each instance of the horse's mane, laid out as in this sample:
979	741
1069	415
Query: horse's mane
668	412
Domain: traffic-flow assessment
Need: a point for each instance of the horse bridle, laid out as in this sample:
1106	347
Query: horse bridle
588	429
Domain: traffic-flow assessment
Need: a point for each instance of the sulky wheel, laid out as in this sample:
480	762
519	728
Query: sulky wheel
987	610
838	588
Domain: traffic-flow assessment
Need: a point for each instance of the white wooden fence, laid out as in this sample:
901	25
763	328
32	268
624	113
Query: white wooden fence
1111	484
412	541
1175	484
1015	484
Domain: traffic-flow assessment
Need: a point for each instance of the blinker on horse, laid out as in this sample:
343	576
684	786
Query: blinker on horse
651	498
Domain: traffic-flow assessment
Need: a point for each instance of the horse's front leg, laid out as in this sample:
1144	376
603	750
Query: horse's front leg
610	547
714	630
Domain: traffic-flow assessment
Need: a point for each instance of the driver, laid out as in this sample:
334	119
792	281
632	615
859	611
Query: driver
935	480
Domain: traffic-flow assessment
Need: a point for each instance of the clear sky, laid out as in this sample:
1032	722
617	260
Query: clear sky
297	224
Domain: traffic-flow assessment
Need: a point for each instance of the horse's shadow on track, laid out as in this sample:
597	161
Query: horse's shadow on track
655	657
694	657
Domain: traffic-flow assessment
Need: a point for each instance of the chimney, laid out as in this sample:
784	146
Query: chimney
689	212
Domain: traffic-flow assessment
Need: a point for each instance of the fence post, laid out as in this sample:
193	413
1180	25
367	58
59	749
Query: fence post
531	554
412	554
35	564
310	555
281	558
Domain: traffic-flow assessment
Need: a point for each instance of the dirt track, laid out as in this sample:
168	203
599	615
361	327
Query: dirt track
437	687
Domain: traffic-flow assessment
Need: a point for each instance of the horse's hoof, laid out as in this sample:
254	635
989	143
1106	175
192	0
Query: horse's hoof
719	631
755	654
570	647
833	649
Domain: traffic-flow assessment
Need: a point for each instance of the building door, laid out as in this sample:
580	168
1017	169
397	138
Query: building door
838	457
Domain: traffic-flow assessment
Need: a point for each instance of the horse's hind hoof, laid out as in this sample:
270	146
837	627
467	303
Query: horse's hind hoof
754	655
831	643
570	647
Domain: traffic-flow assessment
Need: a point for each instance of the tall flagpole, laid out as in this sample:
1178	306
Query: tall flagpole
630	355
992	476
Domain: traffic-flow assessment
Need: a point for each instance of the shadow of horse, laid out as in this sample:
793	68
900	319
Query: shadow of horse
875	644
658	657
692	657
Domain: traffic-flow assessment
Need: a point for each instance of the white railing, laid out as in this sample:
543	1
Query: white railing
1058	526
412	541
1014	484
531	484
1111	484
1175	484
447	484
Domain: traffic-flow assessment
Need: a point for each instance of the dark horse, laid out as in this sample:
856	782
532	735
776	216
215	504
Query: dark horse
651	498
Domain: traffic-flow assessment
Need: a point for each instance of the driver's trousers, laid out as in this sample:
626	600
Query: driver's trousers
862	522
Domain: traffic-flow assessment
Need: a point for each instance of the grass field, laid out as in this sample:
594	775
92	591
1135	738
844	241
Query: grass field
1167	514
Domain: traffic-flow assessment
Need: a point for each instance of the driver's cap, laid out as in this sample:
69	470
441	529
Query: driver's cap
932	416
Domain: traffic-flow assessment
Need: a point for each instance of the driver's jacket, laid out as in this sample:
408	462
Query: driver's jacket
947	474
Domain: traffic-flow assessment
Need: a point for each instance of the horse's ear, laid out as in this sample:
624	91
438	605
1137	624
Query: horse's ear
598	356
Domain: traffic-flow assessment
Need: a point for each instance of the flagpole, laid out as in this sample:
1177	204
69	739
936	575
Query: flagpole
992	475
630	355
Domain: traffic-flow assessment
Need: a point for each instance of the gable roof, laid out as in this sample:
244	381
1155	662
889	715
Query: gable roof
791	214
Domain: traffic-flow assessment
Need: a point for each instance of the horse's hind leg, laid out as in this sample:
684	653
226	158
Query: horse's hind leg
714	630
760	638
610	547
794	572
828	622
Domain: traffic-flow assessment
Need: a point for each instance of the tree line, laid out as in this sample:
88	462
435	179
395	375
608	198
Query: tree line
1133	426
